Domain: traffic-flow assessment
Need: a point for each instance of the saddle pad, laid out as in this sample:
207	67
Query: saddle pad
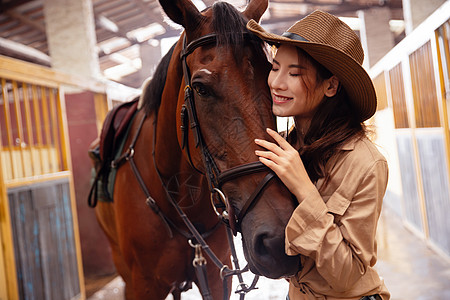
120	141
116	123
110	146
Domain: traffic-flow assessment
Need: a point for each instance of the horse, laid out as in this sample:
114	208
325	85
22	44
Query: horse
200	114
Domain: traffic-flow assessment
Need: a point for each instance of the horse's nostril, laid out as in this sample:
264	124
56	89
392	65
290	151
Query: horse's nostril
266	255
260	245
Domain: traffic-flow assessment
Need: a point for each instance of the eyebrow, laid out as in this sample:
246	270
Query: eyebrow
291	65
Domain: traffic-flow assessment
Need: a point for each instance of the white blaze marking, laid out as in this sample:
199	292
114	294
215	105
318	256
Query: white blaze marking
206	71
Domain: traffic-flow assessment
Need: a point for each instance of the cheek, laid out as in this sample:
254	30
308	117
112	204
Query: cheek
298	88
314	100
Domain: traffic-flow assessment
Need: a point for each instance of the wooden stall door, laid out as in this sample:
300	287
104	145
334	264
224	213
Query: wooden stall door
44	242
38	219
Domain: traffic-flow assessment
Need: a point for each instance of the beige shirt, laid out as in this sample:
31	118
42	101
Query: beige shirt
334	228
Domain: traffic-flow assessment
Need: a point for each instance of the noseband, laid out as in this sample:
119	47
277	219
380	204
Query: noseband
216	178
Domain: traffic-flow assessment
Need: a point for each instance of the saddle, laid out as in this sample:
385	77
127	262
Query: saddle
105	148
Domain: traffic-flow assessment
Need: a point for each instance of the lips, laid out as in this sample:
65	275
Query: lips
278	99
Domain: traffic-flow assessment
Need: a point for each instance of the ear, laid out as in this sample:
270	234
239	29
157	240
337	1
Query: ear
182	12
332	85
255	9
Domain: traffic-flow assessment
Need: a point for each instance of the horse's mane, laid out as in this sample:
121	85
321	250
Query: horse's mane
152	91
229	25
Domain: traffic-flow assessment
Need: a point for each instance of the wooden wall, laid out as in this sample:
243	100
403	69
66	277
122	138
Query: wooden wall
416	82
40	253
40	193
83	128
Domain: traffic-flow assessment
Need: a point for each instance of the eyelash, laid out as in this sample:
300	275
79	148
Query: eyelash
290	74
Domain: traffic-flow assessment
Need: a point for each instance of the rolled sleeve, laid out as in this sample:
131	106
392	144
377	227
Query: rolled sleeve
303	219
339	235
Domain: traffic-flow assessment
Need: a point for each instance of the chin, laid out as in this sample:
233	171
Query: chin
280	113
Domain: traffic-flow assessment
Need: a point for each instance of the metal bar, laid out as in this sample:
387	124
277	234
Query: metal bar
18	113
8	127
45	115
38	125
55	126
62	123
27	108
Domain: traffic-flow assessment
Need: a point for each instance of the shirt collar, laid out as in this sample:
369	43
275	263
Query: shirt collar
349	145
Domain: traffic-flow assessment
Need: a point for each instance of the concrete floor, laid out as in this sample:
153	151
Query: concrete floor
411	269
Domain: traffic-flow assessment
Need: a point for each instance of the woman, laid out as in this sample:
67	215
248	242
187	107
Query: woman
337	175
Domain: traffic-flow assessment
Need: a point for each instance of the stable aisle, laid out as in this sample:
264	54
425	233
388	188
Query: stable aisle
411	270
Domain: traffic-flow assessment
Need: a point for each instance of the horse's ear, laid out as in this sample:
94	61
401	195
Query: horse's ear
182	12
255	9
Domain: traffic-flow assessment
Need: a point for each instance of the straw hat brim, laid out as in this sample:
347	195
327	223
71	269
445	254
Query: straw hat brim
351	74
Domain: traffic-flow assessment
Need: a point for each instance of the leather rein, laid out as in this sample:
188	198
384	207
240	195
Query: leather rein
215	178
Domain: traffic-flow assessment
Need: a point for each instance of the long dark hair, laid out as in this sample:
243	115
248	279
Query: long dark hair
333	124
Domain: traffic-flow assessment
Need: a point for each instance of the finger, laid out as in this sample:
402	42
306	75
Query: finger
278	138
273	166
269	146
268	155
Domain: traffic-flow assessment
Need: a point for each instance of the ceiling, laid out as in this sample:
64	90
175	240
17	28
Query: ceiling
123	25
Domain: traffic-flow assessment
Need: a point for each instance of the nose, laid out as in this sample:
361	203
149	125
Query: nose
276	80
269	250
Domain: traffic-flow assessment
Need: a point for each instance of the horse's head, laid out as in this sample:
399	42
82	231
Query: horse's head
227	77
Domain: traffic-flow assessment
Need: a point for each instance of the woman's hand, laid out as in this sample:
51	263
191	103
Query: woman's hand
285	161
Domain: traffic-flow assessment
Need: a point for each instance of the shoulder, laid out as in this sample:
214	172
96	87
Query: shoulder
357	161
358	156
362	149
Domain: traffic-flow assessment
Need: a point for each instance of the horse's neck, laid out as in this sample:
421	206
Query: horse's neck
187	187
168	151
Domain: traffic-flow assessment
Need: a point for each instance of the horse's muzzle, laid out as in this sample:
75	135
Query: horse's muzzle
265	255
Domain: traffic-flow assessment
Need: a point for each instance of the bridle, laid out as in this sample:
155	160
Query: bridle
216	178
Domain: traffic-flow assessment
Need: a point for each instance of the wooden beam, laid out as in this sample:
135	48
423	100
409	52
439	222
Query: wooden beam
344	4
170	32
149	12
25	20
112	27
25	51
15	69
12	4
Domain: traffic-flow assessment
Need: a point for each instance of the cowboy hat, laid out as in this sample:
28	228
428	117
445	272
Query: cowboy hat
335	46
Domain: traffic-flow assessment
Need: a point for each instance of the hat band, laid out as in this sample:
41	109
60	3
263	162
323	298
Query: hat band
294	36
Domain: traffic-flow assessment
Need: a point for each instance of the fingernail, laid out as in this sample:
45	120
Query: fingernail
256	140
269	130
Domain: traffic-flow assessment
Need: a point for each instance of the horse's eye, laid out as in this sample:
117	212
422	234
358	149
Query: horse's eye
201	90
